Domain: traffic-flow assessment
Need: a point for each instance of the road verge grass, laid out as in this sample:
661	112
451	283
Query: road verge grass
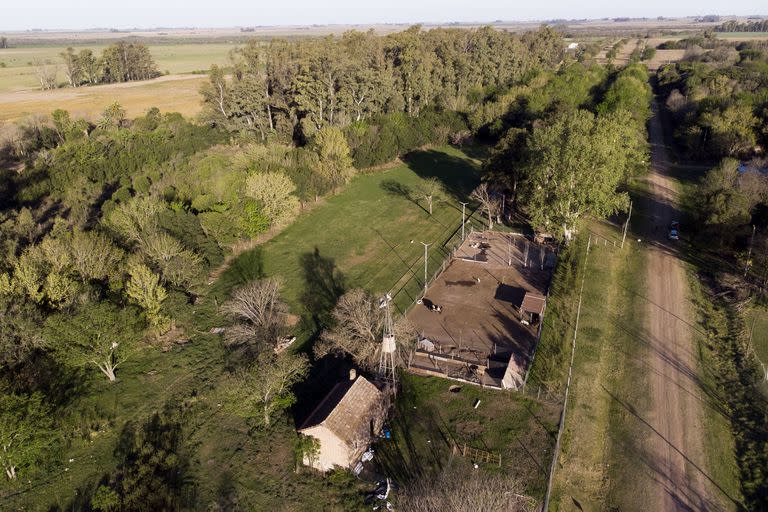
593	471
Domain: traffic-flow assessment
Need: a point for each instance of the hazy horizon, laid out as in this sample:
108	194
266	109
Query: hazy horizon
146	14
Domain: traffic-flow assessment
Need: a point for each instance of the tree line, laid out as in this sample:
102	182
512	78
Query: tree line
747	26
289	89
717	99
119	62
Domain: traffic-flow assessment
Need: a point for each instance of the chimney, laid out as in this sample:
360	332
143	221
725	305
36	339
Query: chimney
352	374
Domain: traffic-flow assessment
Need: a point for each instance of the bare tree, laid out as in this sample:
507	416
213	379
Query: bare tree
488	202
46	73
359	323
260	311
429	189
459	490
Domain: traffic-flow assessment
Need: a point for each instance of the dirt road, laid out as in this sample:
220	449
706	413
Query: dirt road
675	465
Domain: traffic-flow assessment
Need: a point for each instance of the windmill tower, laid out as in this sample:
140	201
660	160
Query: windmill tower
388	354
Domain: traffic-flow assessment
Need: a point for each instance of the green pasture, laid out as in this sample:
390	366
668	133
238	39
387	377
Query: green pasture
362	236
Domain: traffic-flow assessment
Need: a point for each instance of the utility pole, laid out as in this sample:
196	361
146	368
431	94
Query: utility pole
463	209
425	264
626	225
749	253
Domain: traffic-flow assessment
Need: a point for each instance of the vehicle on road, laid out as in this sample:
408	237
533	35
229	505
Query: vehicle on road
674	231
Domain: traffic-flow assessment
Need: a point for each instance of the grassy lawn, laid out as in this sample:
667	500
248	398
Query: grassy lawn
429	420
595	467
362	237
757	323
742	36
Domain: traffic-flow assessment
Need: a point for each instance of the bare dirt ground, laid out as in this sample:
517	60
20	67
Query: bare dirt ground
675	472
480	294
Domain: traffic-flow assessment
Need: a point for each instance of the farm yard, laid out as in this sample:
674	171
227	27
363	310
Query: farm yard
362	236
426	258
481	332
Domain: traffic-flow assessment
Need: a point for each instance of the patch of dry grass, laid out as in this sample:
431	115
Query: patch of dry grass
173	93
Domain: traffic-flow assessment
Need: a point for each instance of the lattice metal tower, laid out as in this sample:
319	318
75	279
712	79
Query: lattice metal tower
388	357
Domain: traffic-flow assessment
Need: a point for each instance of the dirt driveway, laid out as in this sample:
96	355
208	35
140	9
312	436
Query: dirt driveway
675	470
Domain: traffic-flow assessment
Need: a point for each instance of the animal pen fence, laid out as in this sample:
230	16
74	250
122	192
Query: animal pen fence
476	454
410	287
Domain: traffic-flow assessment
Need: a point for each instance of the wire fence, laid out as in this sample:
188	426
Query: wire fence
556	451
411	285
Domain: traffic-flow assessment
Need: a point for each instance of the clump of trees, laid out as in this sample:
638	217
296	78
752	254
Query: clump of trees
746	26
570	159
717	101
281	87
118	62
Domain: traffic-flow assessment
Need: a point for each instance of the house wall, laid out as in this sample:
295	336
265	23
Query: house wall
333	451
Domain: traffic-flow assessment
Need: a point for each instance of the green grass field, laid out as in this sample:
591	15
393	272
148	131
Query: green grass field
757	322
362	237
742	36
429	420
19	71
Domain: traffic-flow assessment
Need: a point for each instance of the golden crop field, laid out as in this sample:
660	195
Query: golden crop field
172	93
178	91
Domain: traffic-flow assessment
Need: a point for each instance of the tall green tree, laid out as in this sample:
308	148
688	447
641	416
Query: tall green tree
574	167
334	164
26	432
143	288
98	335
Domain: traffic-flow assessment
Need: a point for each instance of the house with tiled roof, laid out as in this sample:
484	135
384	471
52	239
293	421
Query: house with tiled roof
344	423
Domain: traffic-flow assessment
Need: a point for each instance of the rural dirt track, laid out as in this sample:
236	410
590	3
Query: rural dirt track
675	472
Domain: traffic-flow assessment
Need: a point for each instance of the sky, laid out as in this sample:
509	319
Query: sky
82	14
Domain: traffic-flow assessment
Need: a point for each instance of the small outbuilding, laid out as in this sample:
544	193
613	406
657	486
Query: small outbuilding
533	306
344	423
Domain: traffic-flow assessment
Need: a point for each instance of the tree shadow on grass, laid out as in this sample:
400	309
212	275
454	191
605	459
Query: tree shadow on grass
397	189
61	384
419	446
324	284
459	176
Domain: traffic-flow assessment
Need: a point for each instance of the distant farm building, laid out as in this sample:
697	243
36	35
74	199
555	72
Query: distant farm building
344	423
